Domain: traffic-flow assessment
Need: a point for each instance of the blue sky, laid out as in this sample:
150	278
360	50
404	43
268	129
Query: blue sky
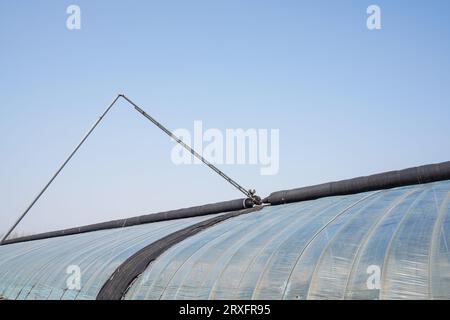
347	101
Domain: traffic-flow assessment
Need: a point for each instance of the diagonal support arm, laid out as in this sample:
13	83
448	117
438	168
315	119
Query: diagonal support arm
60	168
248	193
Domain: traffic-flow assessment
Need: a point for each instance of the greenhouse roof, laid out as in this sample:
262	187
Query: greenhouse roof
379	244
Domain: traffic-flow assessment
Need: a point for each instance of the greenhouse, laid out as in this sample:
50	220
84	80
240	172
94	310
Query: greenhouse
387	243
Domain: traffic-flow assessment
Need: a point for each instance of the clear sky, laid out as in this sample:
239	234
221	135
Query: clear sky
347	101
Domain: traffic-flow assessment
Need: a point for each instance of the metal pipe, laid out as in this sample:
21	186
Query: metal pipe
249	193
60	168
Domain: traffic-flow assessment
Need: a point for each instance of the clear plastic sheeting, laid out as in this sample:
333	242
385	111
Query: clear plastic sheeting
388	244
75	266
